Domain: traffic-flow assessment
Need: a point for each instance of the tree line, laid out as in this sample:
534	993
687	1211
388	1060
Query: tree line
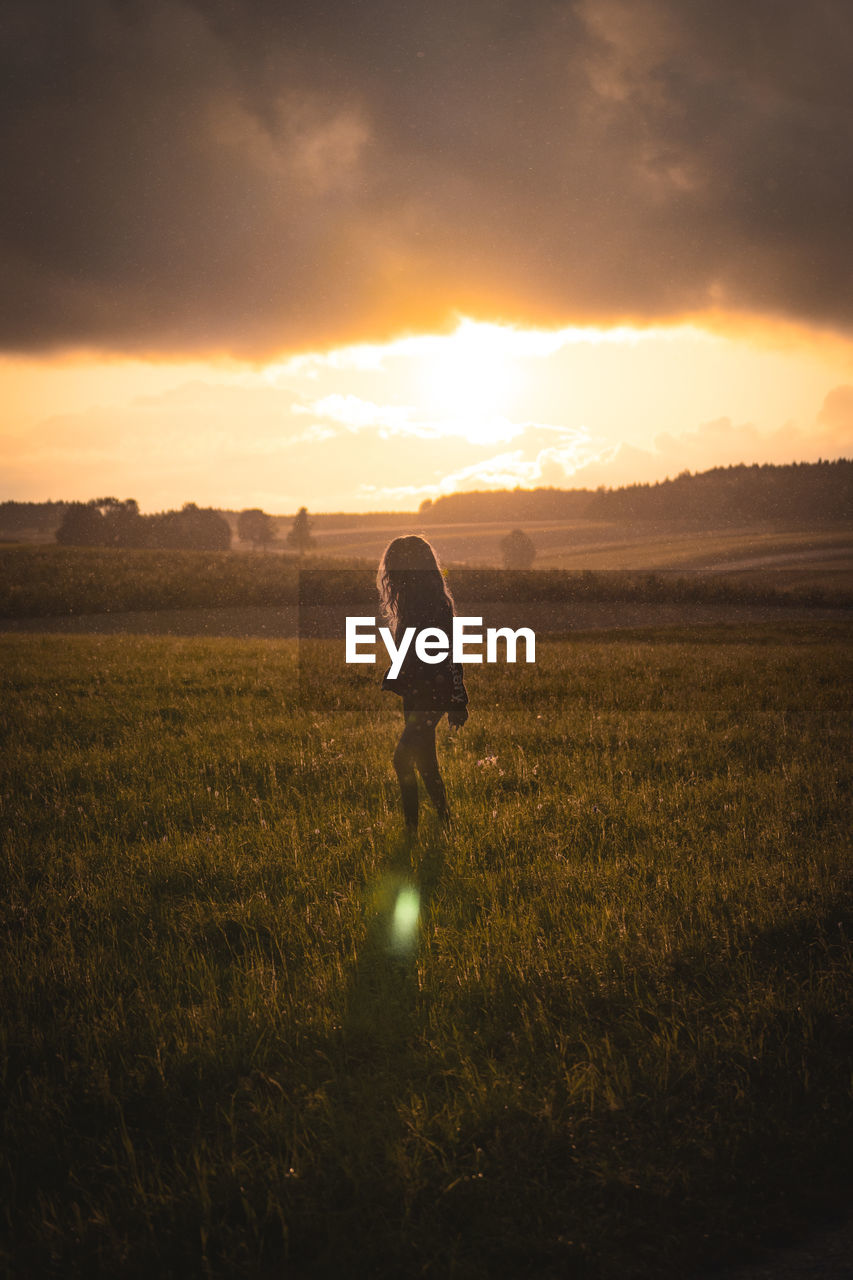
805	492
31	517
507	505
108	522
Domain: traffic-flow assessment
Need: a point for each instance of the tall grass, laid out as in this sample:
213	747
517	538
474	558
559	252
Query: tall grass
45	581
619	1045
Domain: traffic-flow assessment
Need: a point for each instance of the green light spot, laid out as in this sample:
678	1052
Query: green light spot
404	922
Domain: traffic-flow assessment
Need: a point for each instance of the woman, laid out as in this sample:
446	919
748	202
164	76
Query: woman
413	593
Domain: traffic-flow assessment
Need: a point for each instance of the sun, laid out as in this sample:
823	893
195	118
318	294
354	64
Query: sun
469	379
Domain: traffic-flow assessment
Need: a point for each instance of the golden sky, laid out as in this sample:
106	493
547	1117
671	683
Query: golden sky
381	427
353	256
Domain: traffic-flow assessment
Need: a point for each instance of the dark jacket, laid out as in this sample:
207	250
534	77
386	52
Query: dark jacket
438	684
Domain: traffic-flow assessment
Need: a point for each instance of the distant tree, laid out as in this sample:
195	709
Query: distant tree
255	526
299	536
202	528
81	526
121	525
518	551
192	528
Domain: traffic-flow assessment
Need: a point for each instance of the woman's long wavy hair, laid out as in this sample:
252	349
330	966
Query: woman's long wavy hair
410	582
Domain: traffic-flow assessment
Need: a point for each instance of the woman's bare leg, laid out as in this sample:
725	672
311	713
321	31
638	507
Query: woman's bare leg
416	752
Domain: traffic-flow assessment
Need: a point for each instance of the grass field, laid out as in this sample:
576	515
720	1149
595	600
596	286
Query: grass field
602	1030
74	582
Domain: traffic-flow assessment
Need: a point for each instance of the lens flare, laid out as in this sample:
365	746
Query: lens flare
404	921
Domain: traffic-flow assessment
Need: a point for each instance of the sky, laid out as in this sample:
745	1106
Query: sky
348	256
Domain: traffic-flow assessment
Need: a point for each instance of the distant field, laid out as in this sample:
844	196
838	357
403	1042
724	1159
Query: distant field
617	1042
820	556
597	545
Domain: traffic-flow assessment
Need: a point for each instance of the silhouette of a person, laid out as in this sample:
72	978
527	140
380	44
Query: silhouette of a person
413	593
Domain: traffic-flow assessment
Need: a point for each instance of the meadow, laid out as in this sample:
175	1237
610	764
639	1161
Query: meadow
602	1029
822	556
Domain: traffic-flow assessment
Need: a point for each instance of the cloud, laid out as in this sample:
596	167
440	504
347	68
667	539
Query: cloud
723	443
362	416
836	415
359	415
193	175
545	456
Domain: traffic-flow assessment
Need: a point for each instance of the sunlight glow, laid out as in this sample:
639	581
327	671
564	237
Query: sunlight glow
475	340
470	384
470	377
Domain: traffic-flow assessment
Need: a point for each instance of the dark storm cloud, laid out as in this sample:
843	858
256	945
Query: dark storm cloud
211	175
